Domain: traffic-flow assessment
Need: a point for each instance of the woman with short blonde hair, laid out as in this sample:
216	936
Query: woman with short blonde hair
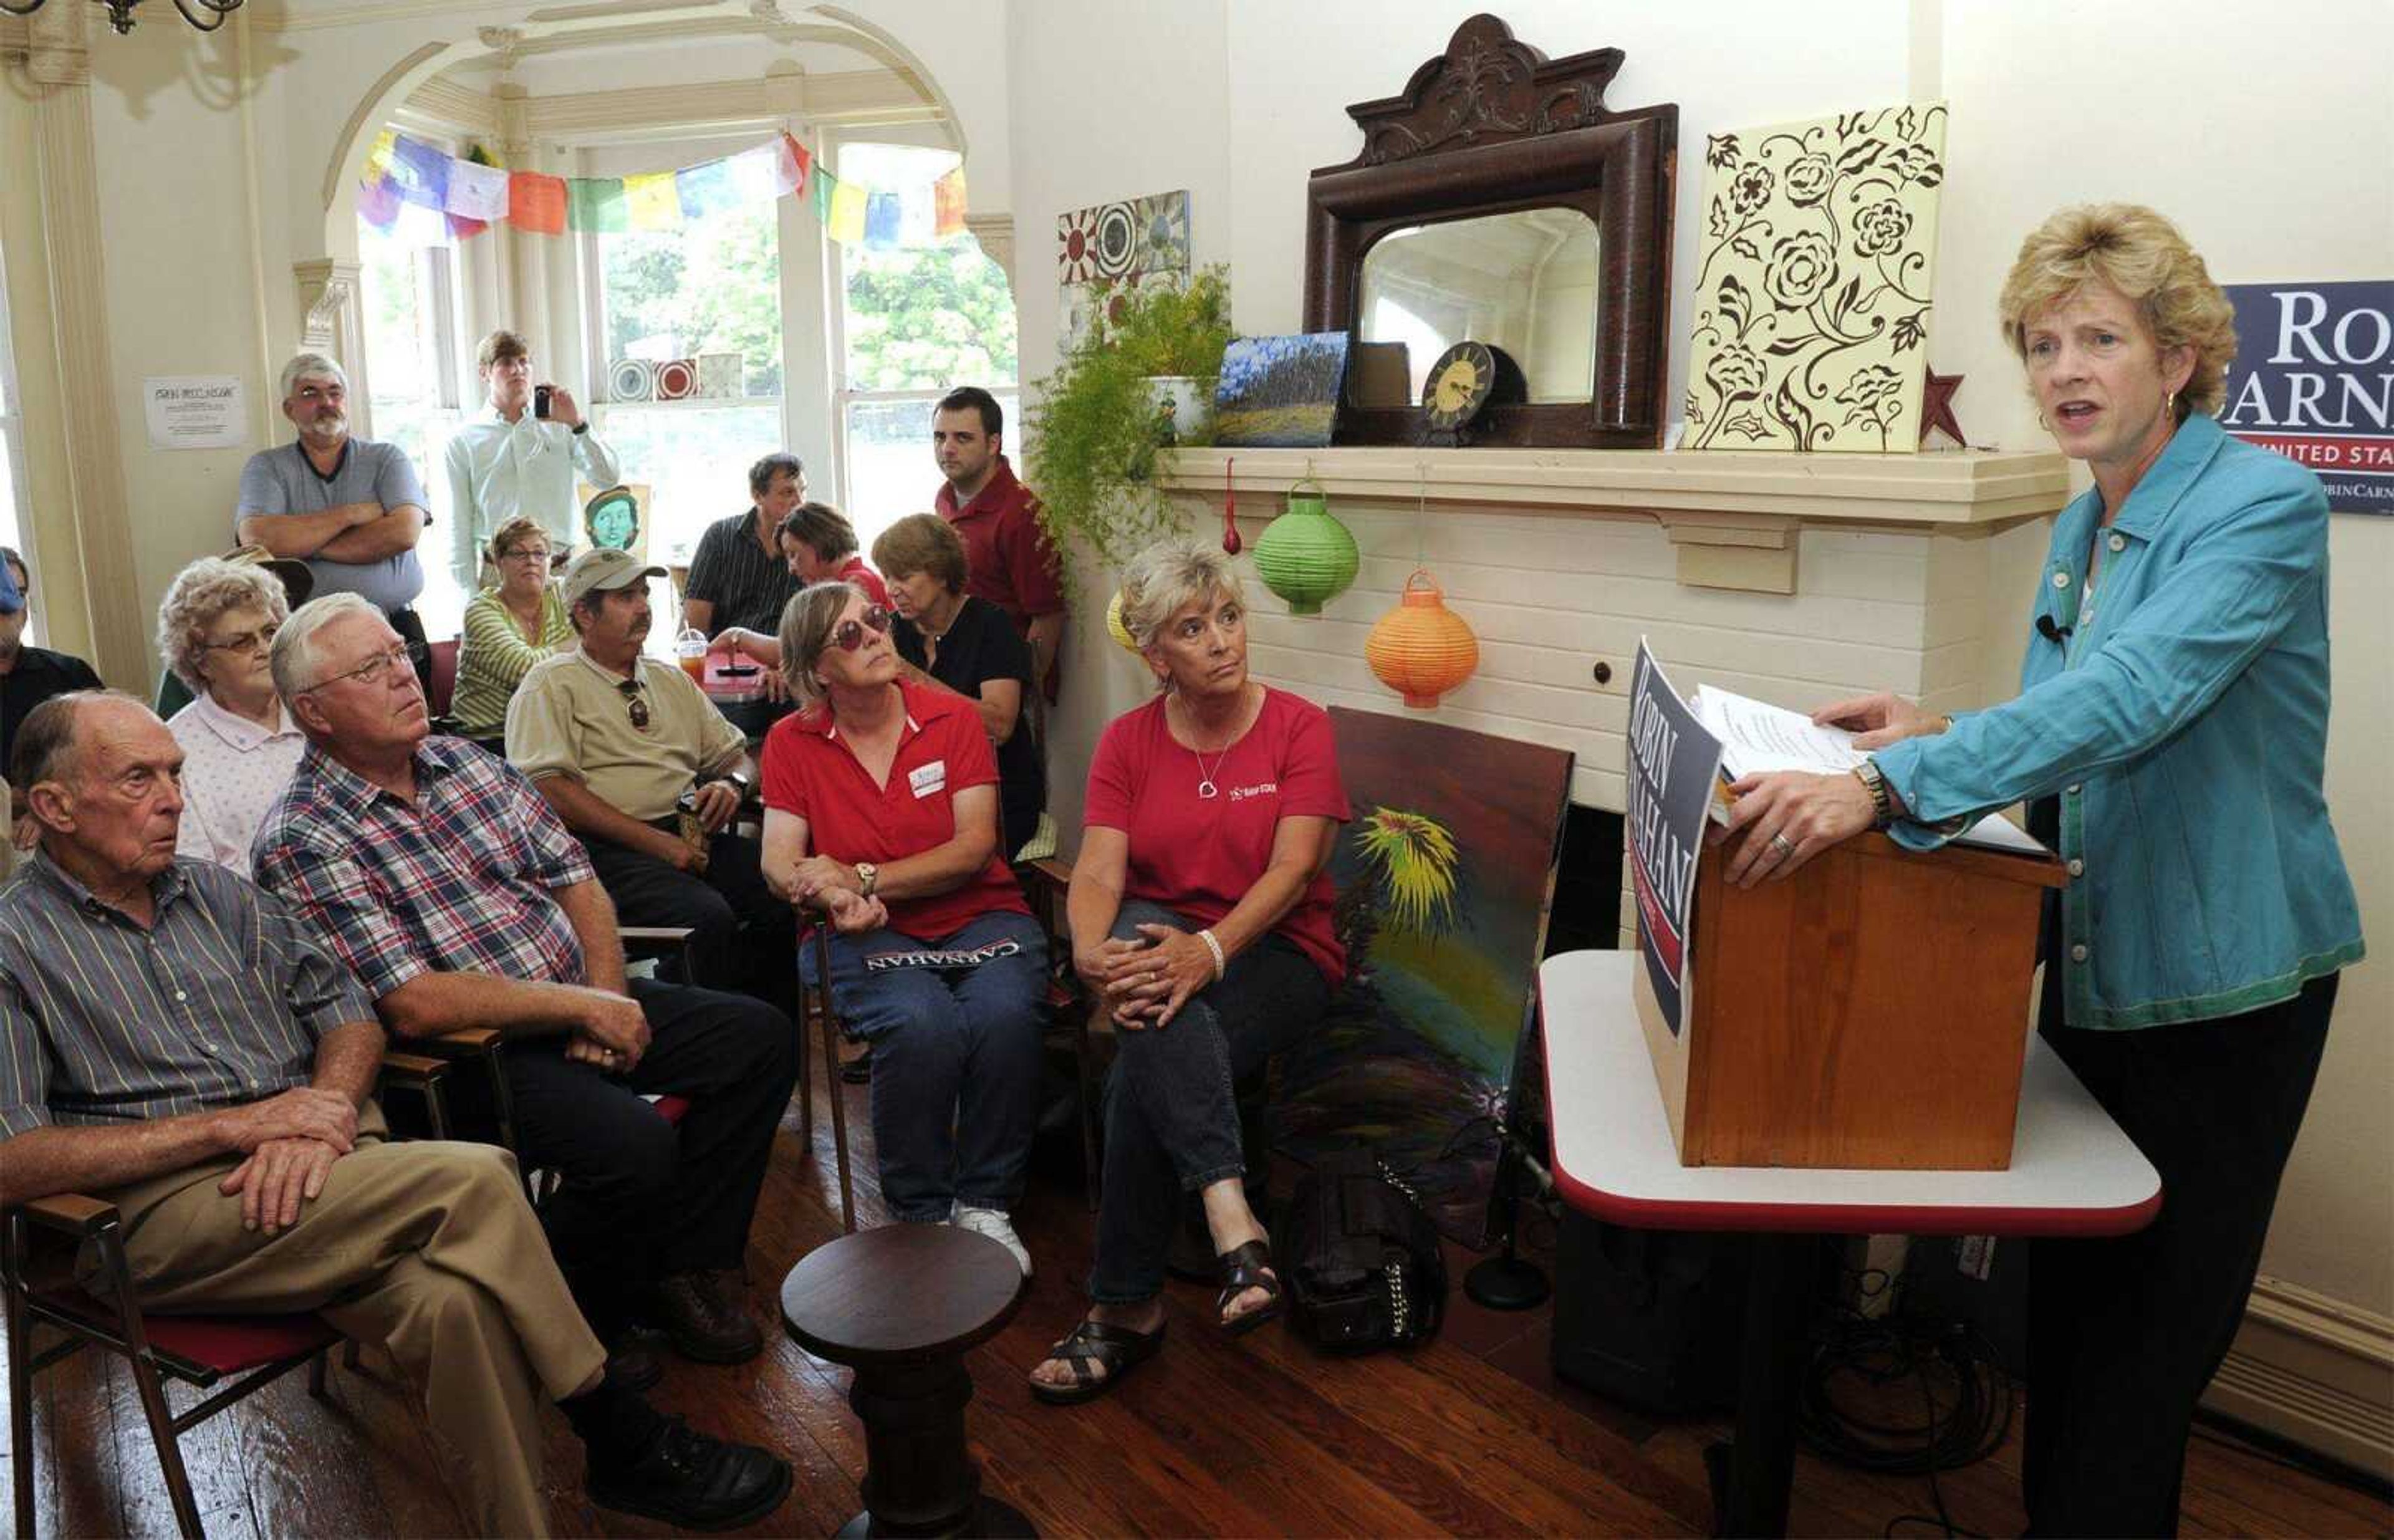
216	626
2170	739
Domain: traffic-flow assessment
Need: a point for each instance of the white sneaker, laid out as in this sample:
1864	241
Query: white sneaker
993	1223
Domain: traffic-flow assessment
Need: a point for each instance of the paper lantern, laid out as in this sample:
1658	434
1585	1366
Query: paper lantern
1421	648
1114	627
1307	558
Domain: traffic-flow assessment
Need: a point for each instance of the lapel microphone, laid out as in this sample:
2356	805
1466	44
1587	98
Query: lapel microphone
2049	631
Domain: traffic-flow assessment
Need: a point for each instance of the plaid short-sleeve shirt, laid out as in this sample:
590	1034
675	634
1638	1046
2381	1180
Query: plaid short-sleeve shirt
460	880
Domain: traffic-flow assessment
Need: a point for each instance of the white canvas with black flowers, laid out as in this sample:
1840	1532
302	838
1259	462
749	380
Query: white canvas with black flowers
1811	302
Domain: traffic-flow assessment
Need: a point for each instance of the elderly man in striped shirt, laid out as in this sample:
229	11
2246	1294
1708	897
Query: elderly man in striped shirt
176	1042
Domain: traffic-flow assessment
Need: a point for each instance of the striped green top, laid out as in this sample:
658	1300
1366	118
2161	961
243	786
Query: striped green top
494	656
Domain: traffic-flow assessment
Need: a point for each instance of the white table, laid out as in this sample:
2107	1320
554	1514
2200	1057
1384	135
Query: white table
2072	1172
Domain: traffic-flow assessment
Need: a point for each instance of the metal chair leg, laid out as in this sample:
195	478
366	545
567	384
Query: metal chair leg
144	1370
838	1122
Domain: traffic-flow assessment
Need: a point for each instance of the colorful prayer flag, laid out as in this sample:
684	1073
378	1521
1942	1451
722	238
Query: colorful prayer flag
881	215
477	192
421	170
378	158
378	203
705	189
914	215
596	204
537	203
848	202
826	188
790	164
948	205
752	173
654	203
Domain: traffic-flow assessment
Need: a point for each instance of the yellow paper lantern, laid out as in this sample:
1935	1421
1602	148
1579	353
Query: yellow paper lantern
1114	627
1421	648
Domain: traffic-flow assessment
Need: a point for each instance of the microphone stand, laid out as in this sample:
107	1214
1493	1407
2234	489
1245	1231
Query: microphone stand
1507	1281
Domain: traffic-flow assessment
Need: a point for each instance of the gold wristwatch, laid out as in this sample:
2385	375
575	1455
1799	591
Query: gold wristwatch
867	875
1882	805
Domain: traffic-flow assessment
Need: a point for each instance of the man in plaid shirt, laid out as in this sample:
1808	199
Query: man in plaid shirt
446	884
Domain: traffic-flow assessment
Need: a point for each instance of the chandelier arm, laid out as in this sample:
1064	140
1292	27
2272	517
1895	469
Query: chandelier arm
218	9
12	8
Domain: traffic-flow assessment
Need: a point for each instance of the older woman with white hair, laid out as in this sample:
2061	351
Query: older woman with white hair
1200	910
216	632
881	810
2170	738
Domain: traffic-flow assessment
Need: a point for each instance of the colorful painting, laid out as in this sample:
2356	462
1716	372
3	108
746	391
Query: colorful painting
1281	391
1108	250
1812	288
1444	881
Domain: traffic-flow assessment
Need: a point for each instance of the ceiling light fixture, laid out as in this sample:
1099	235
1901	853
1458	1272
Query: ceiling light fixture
206	15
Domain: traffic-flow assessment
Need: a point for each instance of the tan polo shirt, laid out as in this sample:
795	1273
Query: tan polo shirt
570	717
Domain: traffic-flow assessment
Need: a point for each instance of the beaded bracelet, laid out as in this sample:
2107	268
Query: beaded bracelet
1213	945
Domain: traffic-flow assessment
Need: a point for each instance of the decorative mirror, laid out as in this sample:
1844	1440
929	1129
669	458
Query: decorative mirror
1498	200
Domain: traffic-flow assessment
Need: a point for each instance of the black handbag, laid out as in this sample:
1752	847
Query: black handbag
1361	1258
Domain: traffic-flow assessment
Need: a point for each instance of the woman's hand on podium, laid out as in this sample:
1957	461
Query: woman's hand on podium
1785	819
1880	719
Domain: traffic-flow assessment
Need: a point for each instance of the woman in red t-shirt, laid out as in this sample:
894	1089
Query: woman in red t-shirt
881	812
1200	916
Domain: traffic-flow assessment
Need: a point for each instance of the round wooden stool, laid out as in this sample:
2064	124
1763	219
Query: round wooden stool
902	1305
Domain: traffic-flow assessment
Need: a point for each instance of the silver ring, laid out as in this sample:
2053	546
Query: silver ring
1779	843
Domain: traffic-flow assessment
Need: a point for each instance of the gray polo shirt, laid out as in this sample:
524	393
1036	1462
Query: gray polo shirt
284	480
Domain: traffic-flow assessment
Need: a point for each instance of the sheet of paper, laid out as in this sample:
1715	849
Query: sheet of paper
1756	737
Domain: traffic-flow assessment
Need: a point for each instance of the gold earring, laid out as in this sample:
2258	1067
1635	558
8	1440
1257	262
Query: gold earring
2043	424
2169	406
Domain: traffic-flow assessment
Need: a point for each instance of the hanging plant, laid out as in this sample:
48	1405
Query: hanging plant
1095	429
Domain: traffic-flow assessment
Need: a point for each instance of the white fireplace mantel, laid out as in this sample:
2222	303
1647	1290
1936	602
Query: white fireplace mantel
1733	517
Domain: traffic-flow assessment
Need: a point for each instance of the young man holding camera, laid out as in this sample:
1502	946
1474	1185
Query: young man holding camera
517	456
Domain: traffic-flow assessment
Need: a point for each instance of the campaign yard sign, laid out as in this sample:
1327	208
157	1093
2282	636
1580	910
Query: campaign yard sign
2314	380
1673	764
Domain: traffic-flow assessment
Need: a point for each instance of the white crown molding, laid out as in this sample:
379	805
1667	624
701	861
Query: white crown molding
862	97
454	106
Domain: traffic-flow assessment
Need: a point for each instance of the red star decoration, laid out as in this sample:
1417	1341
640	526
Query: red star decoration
1936	409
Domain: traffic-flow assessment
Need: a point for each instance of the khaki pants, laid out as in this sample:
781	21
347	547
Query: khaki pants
425	1248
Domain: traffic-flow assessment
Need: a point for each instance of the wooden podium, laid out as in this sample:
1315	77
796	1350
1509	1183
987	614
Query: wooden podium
1869	1012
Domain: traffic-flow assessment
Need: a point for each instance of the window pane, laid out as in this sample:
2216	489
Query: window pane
711	287
10	534
890	472
929	318
694	459
404	358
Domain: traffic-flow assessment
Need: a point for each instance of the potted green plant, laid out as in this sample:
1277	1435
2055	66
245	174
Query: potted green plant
1100	417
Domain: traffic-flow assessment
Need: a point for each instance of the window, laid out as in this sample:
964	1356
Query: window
12	448
415	370
710	288
914	324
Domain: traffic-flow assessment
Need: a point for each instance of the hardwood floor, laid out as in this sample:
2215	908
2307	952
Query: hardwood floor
1471	1435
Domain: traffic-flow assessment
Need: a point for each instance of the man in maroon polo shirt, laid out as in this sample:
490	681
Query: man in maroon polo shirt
1008	560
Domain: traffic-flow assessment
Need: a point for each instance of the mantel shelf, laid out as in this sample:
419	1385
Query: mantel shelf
1959	488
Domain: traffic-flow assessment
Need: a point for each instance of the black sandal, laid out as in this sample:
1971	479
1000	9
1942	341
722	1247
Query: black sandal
1116	1349
1243	1269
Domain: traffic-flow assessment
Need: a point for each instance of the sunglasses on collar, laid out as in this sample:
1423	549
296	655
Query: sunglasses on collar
634	706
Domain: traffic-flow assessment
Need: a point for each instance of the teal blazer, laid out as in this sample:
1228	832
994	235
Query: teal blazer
2183	724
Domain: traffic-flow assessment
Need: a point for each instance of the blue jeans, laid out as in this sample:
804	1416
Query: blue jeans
956	1062
1171	1118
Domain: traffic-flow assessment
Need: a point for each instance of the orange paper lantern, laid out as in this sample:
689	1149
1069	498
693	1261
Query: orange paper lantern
1421	648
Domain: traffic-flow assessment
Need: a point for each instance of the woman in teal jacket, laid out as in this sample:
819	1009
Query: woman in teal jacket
2170	738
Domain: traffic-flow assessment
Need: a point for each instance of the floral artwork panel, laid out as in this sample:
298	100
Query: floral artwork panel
1108	250
1813	283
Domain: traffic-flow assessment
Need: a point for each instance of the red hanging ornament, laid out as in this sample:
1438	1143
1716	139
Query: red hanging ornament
1229	509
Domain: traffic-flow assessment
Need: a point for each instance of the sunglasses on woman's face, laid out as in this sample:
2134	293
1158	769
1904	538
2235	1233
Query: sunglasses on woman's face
850	635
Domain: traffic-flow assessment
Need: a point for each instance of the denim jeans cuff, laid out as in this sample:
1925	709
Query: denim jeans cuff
1211	1174
924	1217
1123	1297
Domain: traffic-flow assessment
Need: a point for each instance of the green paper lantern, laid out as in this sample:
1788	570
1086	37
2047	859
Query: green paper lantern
1307	558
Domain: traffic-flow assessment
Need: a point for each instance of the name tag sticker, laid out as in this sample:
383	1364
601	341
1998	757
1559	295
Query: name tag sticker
928	780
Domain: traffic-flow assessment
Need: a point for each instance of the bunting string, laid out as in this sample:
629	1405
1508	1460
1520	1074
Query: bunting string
421	191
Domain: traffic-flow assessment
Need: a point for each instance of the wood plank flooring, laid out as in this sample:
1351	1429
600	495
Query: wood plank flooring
1472	1435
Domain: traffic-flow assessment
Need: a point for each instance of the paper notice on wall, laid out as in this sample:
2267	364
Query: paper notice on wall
195	411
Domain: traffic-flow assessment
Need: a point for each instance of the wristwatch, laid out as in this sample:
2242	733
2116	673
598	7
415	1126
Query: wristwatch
581	428
1882	804
867	875
739	783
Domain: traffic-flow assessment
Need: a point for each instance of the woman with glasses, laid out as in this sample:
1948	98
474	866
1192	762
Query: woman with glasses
508	630
215	628
881	814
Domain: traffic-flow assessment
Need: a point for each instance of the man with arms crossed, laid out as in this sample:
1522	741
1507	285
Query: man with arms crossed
175	1041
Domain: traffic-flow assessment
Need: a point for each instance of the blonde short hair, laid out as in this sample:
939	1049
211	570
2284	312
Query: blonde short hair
923	543
808	621
514	528
198	595
1169	577
2136	251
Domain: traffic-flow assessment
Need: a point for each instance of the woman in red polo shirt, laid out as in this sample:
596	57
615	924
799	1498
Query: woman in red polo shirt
1201	915
881	812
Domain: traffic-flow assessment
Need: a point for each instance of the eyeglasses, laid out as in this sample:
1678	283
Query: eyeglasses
850	635
248	641
374	670
525	553
634	707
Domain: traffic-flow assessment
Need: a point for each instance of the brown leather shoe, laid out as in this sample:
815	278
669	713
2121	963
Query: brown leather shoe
705	1314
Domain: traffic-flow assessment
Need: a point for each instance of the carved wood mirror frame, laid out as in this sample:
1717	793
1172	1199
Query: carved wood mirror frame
1489	127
